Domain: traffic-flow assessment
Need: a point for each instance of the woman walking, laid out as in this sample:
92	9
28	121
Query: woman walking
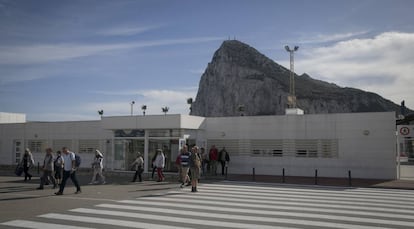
27	162
97	166
160	163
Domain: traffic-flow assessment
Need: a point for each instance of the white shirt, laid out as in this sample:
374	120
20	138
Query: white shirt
67	160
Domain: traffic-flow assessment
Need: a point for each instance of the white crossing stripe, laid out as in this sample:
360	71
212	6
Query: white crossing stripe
213	200
198	212
194	204
243	205
115	222
316	195
212	223
35	225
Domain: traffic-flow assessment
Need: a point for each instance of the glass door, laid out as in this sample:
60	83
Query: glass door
126	151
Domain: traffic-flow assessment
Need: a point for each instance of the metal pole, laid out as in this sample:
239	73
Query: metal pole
316	176
349	178
254	174
283	175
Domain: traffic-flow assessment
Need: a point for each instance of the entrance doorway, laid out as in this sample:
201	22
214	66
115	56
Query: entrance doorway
126	151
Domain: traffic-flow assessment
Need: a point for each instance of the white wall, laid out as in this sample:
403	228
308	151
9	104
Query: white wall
12	117
49	131
366	143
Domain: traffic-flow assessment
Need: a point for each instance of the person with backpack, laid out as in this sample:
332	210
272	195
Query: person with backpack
195	167
58	166
69	170
97	166
224	159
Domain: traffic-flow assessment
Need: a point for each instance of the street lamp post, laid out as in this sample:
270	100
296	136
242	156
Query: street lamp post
143	107
292	96
132	107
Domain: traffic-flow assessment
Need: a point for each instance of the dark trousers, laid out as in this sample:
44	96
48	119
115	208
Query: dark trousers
26	173
138	174
223	165
45	177
66	175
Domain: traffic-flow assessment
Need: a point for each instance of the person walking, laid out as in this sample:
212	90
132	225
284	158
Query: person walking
185	166
204	162
224	159
195	167
160	164
58	167
138	167
69	171
213	156
97	166
27	162
48	167
154	167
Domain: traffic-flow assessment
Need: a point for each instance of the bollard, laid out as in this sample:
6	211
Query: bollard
349	178
254	174
316	177
283	175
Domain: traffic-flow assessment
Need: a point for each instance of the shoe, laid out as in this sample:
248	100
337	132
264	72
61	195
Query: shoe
30	178
193	189
103	182
39	188
58	193
78	192
182	185
91	183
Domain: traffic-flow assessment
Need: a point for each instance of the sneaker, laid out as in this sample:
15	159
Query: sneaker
39	188
182	185
78	192
58	193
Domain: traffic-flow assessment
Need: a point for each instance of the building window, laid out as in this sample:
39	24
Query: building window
88	146
60	143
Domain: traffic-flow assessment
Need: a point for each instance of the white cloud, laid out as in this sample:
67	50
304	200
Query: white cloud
127	30
382	64
175	99
35	54
322	38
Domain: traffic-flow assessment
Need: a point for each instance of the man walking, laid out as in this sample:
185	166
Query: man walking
69	170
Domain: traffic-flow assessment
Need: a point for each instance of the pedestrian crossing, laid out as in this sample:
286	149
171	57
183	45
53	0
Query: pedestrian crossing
242	205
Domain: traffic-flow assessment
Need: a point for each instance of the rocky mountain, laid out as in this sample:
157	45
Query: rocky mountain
239	75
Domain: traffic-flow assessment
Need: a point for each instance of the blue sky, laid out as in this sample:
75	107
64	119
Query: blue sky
65	60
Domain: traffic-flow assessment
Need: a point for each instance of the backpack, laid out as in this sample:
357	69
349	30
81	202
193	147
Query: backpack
195	158
78	160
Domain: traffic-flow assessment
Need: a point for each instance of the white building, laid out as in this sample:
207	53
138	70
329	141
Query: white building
363	143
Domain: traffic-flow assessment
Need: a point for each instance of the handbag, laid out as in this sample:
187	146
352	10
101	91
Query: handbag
19	170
